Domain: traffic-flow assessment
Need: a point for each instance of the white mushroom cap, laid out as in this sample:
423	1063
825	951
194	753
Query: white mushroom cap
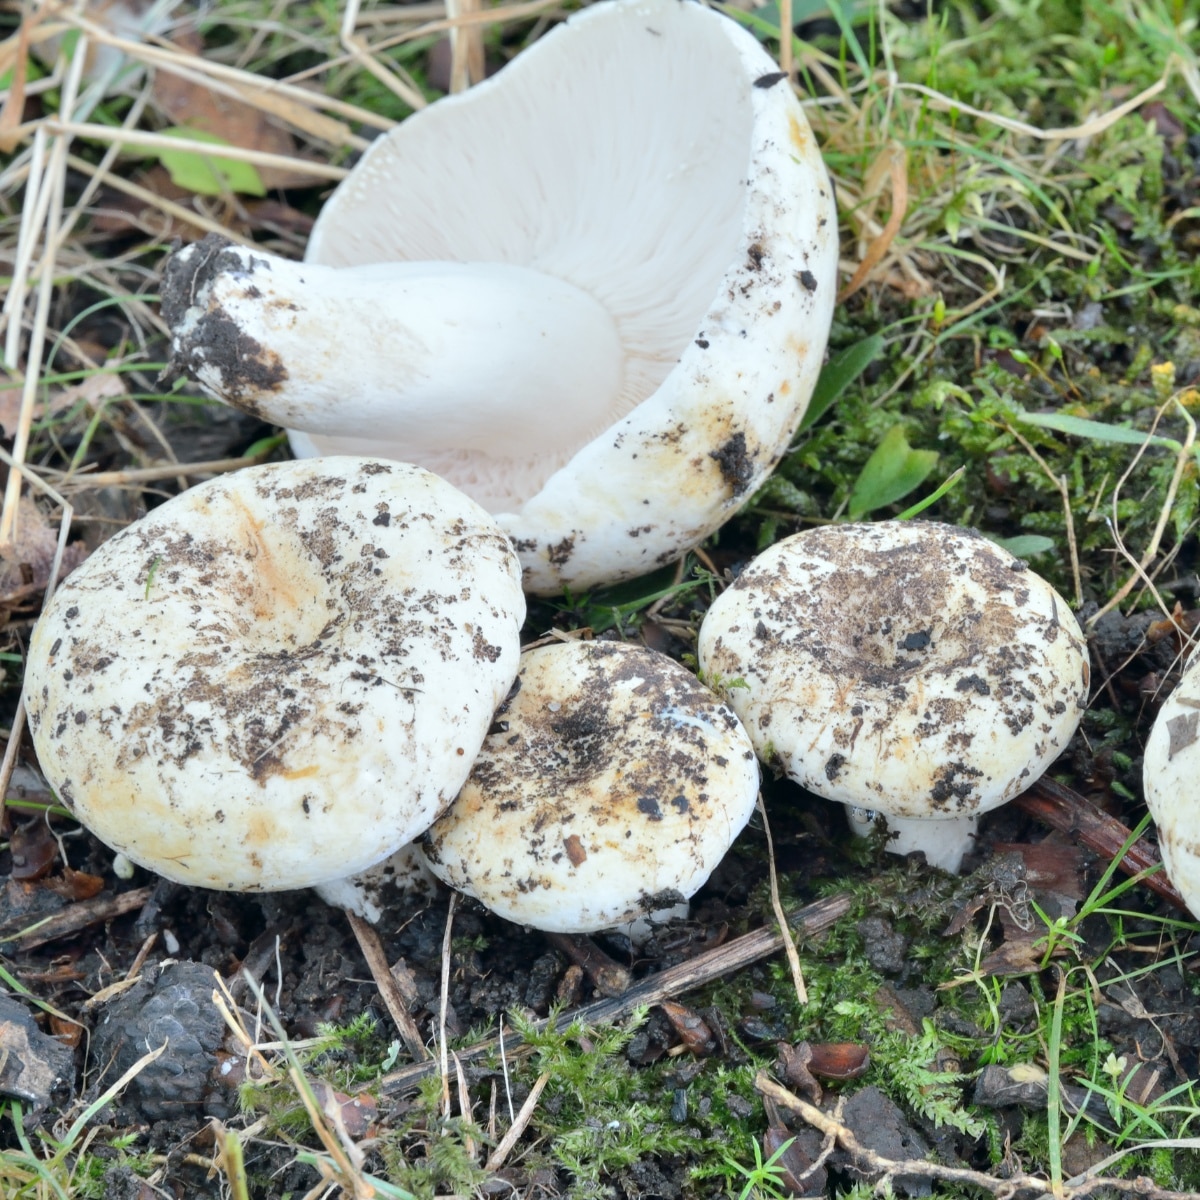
278	677
612	784
909	667
1171	780
642	178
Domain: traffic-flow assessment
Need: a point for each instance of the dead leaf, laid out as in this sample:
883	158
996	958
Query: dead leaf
570	987
60	401
70	1033
797	1173
896	1017
354	1115
76	885
26	563
693	1030
1018	954
34	850
1051	867
839	1060
794	1067
194	106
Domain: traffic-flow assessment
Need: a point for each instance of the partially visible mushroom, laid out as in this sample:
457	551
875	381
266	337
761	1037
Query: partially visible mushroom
402	880
278	677
1171	780
611	785
592	292
909	668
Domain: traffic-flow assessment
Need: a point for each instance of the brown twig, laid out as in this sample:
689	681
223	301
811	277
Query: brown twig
607	975
789	942
873	1163
1069	813
136	475
76	917
372	949
674	981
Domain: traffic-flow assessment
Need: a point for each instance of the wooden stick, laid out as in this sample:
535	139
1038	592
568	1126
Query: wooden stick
372	948
135	475
504	1149
872	1162
609	976
1069	813
674	981
76	917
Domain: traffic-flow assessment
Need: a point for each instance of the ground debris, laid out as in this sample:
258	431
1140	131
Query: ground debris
34	1067
172	1005
879	1125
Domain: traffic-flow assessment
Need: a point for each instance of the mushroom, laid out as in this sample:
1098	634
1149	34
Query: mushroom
278	677
610	786
592	292
909	668
1171	768
403	879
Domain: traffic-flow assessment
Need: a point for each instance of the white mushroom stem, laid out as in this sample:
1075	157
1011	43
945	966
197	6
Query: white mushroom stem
434	354
403	875
945	843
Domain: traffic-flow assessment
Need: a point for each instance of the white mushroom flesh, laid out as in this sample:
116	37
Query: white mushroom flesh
400	884
278	677
611	785
912	668
682	194
1171	779
474	349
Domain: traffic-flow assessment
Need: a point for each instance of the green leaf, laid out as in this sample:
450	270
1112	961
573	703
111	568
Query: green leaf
1096	430
1026	545
933	497
838	374
32	71
890	473
208	176
264	446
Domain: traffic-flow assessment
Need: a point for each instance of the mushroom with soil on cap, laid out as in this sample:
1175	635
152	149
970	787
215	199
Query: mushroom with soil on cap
909	668
1171	781
280	676
610	786
592	292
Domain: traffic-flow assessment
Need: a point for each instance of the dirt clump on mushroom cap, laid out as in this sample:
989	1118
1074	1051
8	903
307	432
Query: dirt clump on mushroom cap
280	676
914	668
611	784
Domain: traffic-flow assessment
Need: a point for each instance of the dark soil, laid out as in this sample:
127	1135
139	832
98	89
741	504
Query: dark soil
313	973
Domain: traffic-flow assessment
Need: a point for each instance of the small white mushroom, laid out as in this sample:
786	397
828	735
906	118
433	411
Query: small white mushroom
611	785
280	676
909	668
1171	780
592	292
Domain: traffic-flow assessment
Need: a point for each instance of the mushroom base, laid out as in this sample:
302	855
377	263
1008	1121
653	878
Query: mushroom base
945	843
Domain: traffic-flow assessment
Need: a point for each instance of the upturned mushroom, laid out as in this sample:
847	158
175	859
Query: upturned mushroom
1171	781
610	786
278	677
592	292
908	668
